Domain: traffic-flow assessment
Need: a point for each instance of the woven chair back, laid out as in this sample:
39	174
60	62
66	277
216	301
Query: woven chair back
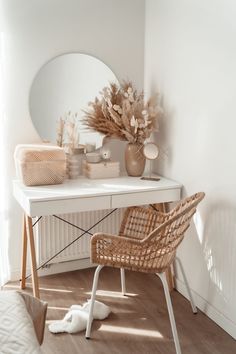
160	233
138	222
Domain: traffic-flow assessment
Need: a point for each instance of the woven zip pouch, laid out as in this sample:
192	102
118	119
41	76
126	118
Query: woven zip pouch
40	164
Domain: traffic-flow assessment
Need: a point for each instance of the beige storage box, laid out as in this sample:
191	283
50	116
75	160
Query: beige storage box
110	169
40	164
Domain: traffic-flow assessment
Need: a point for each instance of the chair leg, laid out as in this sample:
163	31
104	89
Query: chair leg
92	300
194	308
162	276
122	278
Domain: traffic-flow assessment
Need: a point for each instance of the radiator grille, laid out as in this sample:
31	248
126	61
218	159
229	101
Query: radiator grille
52	235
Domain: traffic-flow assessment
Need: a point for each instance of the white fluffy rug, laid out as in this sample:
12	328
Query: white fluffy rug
76	318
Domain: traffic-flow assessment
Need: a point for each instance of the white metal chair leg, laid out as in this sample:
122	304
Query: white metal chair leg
194	308
122	278
92	300
162	276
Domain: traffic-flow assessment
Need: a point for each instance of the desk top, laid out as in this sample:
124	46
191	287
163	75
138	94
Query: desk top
93	191
84	187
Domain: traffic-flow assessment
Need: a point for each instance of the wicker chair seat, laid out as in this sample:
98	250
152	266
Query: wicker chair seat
131	254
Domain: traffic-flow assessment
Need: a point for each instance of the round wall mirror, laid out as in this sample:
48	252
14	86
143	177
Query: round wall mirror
65	85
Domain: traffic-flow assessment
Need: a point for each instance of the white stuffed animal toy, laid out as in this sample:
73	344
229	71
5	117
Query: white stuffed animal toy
76	319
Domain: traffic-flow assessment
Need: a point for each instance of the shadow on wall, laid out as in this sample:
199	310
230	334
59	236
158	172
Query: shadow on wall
219	248
164	138
210	247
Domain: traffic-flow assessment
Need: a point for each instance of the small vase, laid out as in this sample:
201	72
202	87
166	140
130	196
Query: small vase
134	159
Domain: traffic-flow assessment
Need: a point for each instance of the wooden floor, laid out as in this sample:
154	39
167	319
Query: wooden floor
138	323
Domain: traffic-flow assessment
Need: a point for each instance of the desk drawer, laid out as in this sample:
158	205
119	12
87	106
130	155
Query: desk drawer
142	198
72	205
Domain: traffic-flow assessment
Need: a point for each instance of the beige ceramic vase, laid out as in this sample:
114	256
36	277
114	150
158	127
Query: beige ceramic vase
134	159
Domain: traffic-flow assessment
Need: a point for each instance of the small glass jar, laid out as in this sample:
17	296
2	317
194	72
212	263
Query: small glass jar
74	162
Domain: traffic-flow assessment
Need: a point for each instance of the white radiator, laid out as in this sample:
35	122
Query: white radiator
52	234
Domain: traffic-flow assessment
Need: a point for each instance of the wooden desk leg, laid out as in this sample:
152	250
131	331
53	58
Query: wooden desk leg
169	278
30	234
24	253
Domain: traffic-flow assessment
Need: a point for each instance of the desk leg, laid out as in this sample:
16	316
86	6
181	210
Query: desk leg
30	234
169	278
24	253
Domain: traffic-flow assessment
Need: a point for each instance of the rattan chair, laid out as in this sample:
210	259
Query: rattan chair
147	242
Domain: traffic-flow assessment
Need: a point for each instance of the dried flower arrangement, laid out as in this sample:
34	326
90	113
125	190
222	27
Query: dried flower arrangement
122	113
67	134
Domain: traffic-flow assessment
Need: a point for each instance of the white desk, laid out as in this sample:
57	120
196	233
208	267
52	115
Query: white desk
85	195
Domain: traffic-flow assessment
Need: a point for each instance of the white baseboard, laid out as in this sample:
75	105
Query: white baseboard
56	268
224	322
66	267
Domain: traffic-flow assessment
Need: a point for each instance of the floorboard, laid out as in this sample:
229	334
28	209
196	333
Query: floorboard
138	323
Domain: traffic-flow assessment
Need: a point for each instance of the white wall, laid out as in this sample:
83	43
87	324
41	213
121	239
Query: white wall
35	32
190	57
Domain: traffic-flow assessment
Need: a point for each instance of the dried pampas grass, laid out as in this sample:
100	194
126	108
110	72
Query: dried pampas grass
122	113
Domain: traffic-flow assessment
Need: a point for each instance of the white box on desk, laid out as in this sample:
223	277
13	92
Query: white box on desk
109	169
